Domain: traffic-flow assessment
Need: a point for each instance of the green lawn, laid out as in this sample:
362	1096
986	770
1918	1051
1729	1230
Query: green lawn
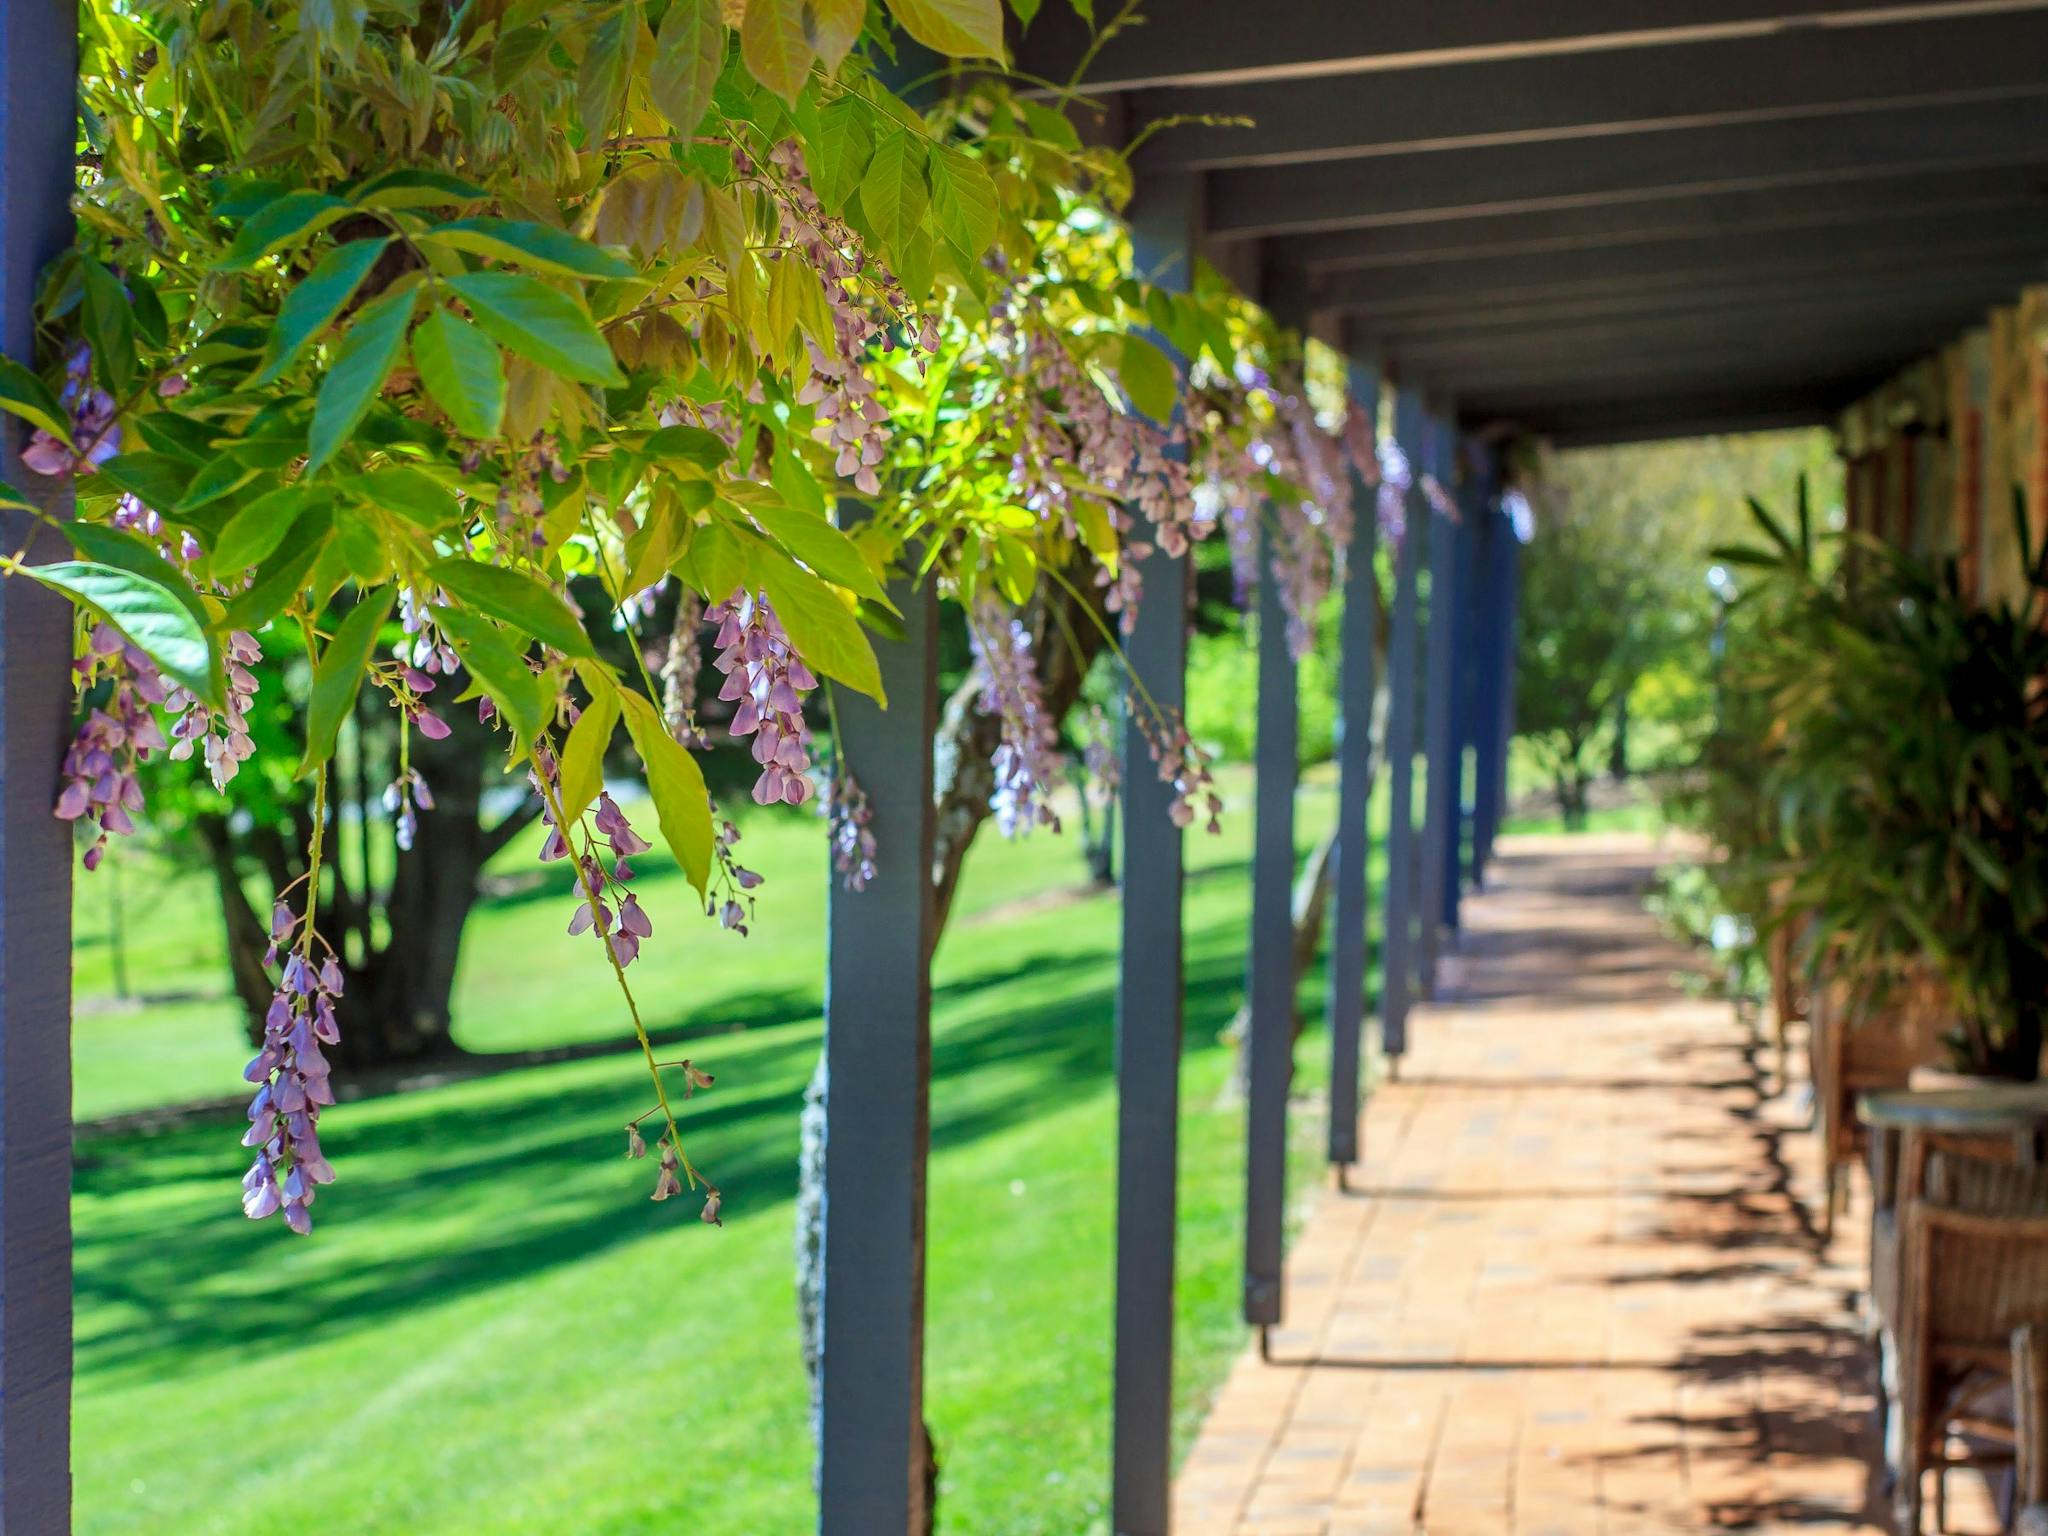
493	1329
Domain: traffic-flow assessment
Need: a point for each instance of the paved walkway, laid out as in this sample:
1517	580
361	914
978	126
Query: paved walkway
1573	1288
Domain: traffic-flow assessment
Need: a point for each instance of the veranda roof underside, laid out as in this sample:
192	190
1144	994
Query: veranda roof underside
1604	219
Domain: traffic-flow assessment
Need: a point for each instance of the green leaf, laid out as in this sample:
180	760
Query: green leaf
583	753
832	27
893	191
338	675
681	803
421	187
1148	378
462	372
362	363
964	199
315	302
820	626
252	533
406	492
691	445
773	44
540	323
154	479
532	245
222	475
960	29
500	668
839	155
23	394
689	56
601	82
819	545
279	579
152	615
110	327
514	597
111	546
278	223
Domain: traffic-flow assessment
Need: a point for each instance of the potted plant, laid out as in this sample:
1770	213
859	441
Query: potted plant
1909	786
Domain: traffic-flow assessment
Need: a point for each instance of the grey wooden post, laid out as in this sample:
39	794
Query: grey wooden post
1486	695
1397	951
1358	644
1440	776
1468	664
1269	968
873	1462
38	121
1270	987
1458	706
1510	668
1149	986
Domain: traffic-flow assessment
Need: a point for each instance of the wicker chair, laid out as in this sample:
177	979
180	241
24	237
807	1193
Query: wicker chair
1976	1271
2030	1428
1785	954
1859	1050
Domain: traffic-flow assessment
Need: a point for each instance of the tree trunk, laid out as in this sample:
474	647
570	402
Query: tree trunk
1617	751
396	999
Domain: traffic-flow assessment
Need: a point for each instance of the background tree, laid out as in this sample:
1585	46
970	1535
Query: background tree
1616	612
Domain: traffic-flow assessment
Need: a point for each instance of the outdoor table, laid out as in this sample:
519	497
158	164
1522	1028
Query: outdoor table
1926	1118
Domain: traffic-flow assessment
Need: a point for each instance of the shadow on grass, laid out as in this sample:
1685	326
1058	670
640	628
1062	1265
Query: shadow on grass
496	1180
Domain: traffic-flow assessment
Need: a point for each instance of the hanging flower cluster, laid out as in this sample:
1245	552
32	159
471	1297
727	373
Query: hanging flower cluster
292	1078
1183	764
848	814
1027	762
730	897
95	424
100	783
765	681
220	736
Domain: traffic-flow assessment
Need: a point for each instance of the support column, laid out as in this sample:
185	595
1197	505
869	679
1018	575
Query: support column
1440	778
1270	984
1397	951
1510	669
1489	662
1358	645
1149	988
874	1467
38	124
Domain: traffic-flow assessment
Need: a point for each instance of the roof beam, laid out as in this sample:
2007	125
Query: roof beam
1973	287
1910	241
1801	322
1596	95
1611	415
1504	178
2019	188
1609	434
1221	42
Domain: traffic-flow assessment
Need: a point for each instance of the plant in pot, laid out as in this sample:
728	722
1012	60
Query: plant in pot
1909	782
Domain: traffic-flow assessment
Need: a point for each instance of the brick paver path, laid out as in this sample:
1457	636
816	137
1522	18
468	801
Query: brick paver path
1574	1287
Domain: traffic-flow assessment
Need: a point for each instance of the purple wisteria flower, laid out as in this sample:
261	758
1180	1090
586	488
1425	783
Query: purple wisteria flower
221	737
291	1074
1026	762
405	797
847	815
766	680
99	770
1182	763
95	431
679	669
730	899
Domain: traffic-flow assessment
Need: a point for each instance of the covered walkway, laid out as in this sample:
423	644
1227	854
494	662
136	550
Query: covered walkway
1574	1287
